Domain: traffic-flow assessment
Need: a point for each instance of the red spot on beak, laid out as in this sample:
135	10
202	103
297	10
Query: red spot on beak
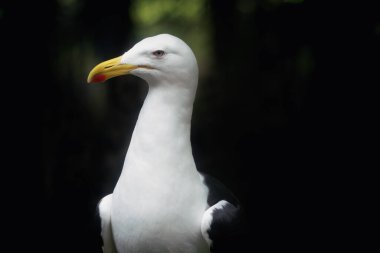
98	78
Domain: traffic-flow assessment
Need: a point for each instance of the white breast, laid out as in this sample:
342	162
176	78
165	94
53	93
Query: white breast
159	200
147	218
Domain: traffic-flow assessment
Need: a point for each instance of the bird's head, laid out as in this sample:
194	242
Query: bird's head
159	59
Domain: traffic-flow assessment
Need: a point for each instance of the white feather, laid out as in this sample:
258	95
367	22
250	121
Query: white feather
105	216
207	219
159	200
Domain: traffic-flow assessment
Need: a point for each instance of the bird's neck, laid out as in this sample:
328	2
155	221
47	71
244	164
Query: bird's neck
160	143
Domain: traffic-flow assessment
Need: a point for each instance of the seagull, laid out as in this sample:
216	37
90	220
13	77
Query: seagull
161	202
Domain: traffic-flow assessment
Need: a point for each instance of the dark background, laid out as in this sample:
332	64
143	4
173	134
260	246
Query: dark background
278	116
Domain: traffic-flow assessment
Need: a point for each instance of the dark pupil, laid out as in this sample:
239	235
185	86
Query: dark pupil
159	53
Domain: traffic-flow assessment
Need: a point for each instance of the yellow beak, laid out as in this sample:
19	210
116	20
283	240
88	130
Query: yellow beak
108	69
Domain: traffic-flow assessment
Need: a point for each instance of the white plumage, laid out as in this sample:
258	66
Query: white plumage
161	203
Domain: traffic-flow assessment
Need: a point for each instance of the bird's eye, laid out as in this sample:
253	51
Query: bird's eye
158	53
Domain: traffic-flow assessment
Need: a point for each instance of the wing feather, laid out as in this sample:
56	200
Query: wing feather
104	208
222	221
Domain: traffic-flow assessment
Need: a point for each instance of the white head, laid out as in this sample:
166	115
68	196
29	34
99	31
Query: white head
160	60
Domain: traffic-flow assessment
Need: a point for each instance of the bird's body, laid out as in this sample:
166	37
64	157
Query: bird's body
160	185
161	203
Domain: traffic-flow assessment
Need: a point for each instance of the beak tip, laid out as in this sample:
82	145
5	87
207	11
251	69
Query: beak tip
96	79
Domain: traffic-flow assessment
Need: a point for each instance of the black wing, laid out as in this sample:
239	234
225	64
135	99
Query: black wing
222	224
